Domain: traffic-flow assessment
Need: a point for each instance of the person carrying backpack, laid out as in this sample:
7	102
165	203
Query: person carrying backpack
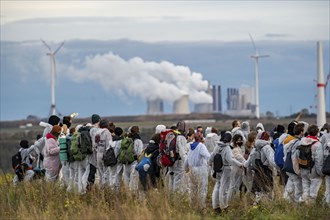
89	166
326	169
103	139
128	157
308	155
148	168
262	162
22	163
220	190
293	187
116	171
176	173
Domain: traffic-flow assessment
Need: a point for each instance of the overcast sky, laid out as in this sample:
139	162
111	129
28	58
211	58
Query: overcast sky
164	20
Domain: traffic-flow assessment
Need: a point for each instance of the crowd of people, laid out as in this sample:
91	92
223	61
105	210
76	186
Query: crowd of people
242	159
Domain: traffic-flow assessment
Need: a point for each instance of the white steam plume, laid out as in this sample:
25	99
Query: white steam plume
149	80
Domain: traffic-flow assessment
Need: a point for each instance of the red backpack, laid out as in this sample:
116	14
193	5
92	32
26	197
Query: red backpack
167	148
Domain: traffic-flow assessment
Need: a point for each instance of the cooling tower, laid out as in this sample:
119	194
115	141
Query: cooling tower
181	106
203	107
155	107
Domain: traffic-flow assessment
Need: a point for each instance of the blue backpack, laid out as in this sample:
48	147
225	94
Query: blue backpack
278	153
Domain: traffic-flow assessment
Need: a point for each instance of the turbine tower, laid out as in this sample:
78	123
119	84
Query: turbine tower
51	55
321	115
256	57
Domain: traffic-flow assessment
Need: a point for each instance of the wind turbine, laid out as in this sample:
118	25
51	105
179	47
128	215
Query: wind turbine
51	55
256	57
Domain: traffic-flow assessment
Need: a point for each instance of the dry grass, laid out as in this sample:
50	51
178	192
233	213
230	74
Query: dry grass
40	200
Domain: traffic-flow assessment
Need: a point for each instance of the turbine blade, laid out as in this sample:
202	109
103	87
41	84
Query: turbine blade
59	47
46	45
254	46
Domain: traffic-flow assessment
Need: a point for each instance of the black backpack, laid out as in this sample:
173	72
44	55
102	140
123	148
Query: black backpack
326	166
109	157
16	160
217	162
305	156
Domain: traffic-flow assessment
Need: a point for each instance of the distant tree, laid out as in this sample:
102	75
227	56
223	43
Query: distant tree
305	111
269	114
32	118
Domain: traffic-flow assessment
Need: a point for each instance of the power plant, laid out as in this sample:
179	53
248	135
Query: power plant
181	105
155	107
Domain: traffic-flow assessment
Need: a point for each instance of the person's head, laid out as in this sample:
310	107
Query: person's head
237	140
265	136
313	130
291	127
190	134
24	144
181	125
326	128
199	137
245	126
252	136
280	129
199	128
118	131
95	119
104	123
135	129
112	127
214	130
299	129
54	120
56	130
236	123
156	138
67	121
72	130
226	137
159	129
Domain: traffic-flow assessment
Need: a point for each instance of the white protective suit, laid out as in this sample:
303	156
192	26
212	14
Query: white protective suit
312	179
196	163
130	174
101	146
25	155
236	173
220	190
293	187
176	173
116	171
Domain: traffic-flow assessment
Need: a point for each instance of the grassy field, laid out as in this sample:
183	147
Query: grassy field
41	200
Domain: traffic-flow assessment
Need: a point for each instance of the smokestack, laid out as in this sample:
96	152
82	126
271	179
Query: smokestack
181	106
321	115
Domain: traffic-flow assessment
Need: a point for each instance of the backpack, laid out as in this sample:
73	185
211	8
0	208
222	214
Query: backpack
288	164
167	148
145	160
19	167
256	162
278	153
75	148
326	165
305	156
126	152
16	160
217	162
86	145
65	149
109	157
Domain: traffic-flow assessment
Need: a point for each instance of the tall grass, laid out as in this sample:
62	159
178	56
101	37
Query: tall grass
41	200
